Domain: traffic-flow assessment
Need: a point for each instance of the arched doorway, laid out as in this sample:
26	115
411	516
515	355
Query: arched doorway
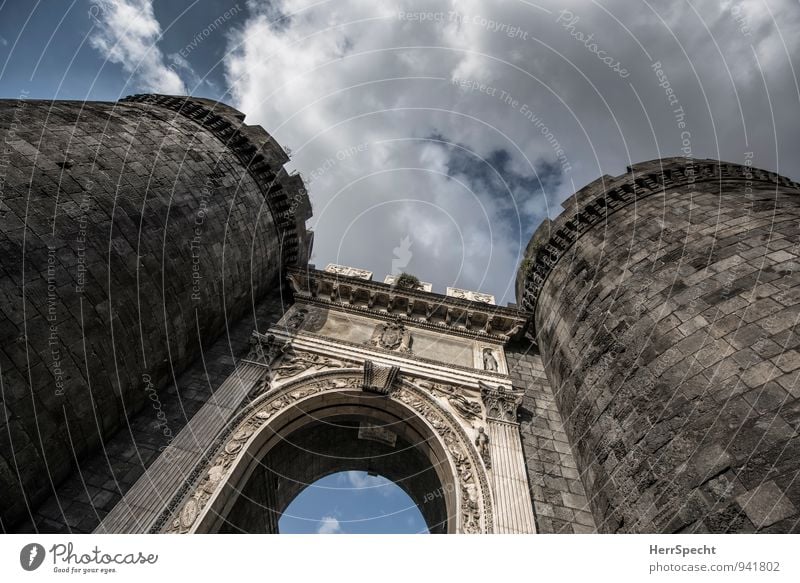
325	423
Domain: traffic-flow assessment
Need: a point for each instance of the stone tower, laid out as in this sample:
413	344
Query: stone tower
665	305
133	234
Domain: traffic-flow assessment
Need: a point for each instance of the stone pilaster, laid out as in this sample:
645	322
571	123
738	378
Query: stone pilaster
513	509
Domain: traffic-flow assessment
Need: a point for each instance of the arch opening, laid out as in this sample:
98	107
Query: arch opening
331	433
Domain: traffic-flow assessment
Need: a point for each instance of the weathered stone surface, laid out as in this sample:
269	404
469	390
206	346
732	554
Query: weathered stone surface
766	505
558	497
668	332
100	480
131	234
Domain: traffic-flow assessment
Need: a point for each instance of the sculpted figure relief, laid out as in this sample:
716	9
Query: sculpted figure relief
296	320
296	362
482	443
264	349
489	361
466	408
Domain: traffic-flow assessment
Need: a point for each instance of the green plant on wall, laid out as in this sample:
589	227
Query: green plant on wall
527	264
407	281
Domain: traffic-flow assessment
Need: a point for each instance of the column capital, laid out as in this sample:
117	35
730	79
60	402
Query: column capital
501	402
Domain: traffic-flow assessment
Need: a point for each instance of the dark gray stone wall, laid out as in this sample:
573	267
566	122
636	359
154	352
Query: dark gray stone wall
130	235
99	481
559	500
668	330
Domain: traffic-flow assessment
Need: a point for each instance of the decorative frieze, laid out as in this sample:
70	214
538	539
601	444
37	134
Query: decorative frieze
296	362
453	315
472	296
347	271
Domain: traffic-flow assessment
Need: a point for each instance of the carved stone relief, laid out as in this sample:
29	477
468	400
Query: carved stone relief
475	503
379	378
264	349
501	402
308	318
489	360
348	271
227	453
473	296
392	336
473	488
466	408
482	443
295	362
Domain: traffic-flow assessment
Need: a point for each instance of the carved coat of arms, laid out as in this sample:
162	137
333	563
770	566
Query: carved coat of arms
392	336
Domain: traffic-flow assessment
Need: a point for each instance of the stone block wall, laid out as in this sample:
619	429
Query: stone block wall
559	500
668	329
131	234
99	481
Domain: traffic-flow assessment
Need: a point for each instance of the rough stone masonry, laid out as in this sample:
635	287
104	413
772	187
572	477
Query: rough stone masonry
666	303
132	234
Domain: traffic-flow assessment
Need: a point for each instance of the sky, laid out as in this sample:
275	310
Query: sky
352	503
435	136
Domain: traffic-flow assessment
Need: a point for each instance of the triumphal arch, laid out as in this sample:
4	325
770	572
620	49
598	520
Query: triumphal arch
385	378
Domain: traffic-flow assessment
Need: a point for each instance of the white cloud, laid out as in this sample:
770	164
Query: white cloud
333	75
329	525
364	481
126	32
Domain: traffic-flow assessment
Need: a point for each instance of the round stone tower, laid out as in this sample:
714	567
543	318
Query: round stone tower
665	306
132	234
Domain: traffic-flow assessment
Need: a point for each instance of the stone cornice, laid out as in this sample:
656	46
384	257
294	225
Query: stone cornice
437	312
263	158
596	201
409	363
